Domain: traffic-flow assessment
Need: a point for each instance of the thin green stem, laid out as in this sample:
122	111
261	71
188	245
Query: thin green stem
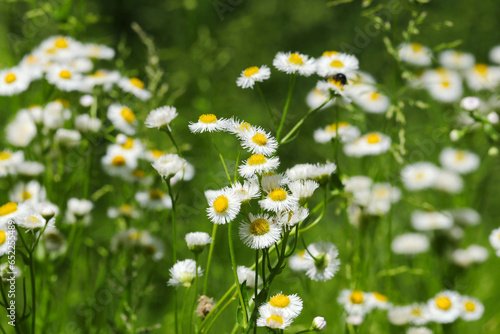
222	160
287	105
174	232
184	303
169	133
256	285
259	90
209	260
220	312
212	312
33	293
195	294
235	272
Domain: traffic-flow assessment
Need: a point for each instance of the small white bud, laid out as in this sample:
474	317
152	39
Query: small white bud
493	117
86	100
454	135
319	324
470	103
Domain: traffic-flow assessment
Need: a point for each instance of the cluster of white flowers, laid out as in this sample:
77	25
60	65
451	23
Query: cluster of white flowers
279	311
358	304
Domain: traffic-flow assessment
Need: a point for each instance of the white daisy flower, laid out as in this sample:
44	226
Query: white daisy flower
161	117
31	192
78	210
60	48
85	123
289	305
269	181
377	300
336	87
355	301
103	78
448	181
12	211
433	220
460	161
420	175
303	189
208	122
410	243
294	62
399	315
246	191
415	54
47	209
418	314
247	275
8	237
98	51
34	221
344	130
369	99
123	118
466	216
260	232
291	217
224	206
495	240
482	76
14	80
317	172
183	273
445	307
257	141
317	97
456	60
332	63
253	74
65	78
124	210
471	255
169	164
272	318
277	200
154	199
472	309
318	324
297	262
32	64
134	86
21	130
237	127
55	114
323	261
373	143
186	173
258	164
443	85
68	138
9	160
118	163
418	330
86	100
30	168
196	241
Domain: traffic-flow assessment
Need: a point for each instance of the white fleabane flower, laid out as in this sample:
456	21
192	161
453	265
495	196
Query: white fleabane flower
65	78
237	127
169	164
123	118
370	100
30	168
224	206
445	307
460	161
495	240
318	324
303	189
472	309
208	123
98	51
345	131
456	60
269	181
297	262
294	63
9	160
410	243
196	241
258	164
377	300
78	210
415	54
418	314
471	255
317	172
8	237
399	315
118	163
289	305
134	86
443	85
247	275
154	199
332	63
31	192
14	81
323	261
433	220
419	176
257	141
466	216
34	221
482	76
291	217
355	302
161	117
68	138
272	318
260	232
470	103
318	97
278	199
448	181
246	191
21	131
183	273
85	123
369	144
253	74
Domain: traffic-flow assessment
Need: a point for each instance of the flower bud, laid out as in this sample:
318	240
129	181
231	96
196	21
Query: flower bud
492	117
319	324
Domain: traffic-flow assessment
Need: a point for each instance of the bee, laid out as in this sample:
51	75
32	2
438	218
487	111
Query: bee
339	77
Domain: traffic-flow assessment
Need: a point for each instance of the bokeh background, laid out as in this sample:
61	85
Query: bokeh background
203	46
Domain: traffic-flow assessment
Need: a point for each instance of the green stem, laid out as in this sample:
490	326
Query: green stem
33	293
195	293
267	104
183	312
287	105
174	200
212	312
256	286
220	312
235	272
169	133
209	260
221	159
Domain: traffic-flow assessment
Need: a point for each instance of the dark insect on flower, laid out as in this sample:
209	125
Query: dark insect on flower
339	77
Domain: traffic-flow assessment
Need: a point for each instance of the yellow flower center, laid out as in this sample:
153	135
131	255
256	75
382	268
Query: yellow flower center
251	71
278	194
259	226
3	237
61	43
118	161
8	208
65	103
26	195
336	63
482	69
373	138
5	155
221	204
460	155
137	83
337	83
416	47
32	60
445	84
156	194
302	253
280	300
32	219
126	209
379	296
443	303
10	78
65	75
330	53
156	153
296	59
129	143
374	96
244	126
416	312
139	173
259	139
257	159
208	118
356	297
134	236
99	74
469	306
128	115
275	319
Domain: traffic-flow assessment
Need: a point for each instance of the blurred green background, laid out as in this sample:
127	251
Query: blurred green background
203	47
